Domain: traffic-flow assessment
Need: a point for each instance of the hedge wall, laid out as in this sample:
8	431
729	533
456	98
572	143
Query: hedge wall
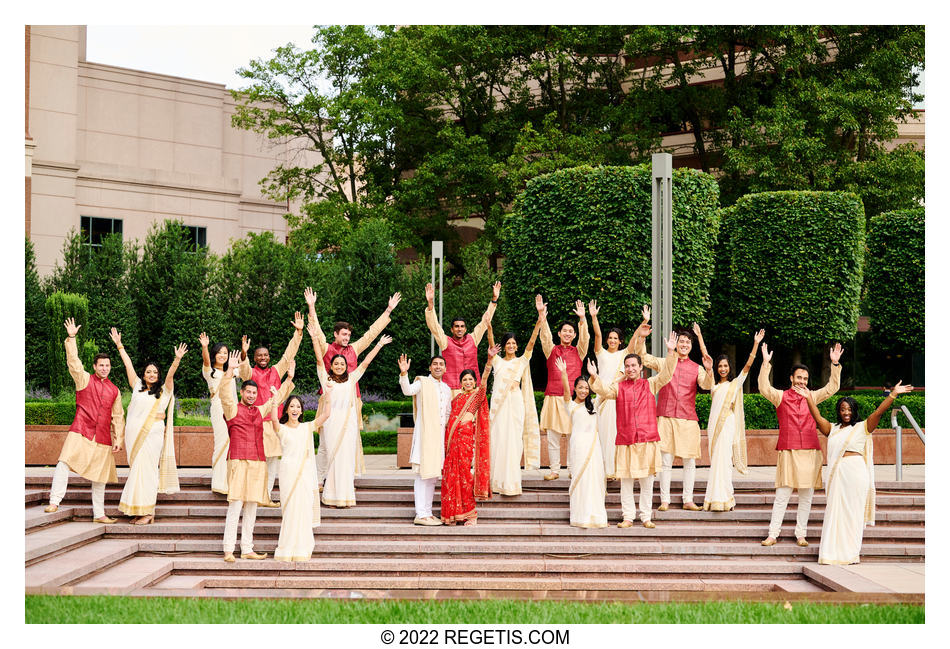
894	280
585	233
794	264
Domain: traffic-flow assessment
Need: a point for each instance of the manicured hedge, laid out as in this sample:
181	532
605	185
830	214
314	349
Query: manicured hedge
894	280
793	263
759	413
585	233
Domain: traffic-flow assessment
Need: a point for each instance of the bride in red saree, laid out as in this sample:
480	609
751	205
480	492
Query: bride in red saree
467	436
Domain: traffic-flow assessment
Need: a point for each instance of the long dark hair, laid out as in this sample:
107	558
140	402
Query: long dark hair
719	359
588	402
504	341
156	389
855	413
339	378
214	352
285	417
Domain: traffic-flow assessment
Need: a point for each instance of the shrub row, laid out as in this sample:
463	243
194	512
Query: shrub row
759	413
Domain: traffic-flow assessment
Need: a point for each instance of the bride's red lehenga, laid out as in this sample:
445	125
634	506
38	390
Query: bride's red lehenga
460	488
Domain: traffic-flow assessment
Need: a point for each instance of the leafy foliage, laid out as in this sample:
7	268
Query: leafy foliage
584	233
894	280
793	263
35	342
59	307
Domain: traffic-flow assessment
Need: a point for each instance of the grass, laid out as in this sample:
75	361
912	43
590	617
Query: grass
107	609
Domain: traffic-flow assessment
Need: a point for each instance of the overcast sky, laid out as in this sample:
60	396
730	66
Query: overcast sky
204	53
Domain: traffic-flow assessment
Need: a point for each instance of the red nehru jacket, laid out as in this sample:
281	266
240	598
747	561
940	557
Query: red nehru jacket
94	410
636	413
677	399
555	386
796	426
246	430
265	379
460	355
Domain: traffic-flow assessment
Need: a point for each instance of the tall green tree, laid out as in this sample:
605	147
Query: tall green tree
36	353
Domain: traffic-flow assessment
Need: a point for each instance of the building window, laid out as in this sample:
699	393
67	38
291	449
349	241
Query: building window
93	228
199	236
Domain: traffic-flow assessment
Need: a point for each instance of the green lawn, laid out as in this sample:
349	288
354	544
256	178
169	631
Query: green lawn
106	609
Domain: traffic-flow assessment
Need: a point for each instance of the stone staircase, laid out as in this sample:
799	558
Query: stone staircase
521	548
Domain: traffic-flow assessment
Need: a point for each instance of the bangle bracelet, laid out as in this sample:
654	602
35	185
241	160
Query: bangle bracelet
121	347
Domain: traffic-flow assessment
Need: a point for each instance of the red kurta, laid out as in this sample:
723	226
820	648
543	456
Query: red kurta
459	488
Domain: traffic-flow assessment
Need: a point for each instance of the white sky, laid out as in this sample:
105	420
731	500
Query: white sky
201	52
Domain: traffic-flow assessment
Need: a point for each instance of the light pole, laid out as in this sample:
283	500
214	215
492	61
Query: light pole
662	291
437	253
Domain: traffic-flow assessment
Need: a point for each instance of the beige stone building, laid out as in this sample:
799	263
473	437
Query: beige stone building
111	149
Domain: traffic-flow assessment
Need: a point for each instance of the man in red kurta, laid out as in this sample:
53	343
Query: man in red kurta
267	377
460	350
637	454
342	332
97	431
247	468
799	453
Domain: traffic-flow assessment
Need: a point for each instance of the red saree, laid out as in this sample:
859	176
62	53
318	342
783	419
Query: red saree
468	440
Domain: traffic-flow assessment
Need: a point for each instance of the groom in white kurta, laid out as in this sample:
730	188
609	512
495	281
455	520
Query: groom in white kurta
431	406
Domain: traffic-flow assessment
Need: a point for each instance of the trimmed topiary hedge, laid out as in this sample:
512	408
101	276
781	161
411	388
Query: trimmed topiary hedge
894	280
585	233
793	263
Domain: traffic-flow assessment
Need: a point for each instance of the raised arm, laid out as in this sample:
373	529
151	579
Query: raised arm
126	361
291	352
765	386
583	333
491	356
757	339
875	417
319	350
279	396
561	365
834	381
226	388
313	325
76	370
547	342
485	322
542	317
323	410
434	327
205	356
244	365
665	374
407	389
604	391
705	377
383	341
823	424
595	325
648	360
377	327
170	375
117	425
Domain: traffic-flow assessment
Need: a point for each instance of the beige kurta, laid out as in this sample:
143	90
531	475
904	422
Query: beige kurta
513	417
679	437
798	468
359	347
588	484
146	426
299	500
641	459
244	371
554	415
247	479
91	460
219	456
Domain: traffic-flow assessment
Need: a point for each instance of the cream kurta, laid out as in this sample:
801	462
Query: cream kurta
588	484
342	438
720	495
145	450
509	421
245	372
679	437
219	456
798	468
850	494
610	366
91	460
554	415
299	501
428	438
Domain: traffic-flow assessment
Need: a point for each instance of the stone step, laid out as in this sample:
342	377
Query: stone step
61	537
125	576
186	527
51	575
602	548
37	518
36	496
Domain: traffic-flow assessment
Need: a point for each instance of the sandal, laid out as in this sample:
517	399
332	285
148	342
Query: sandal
141	520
